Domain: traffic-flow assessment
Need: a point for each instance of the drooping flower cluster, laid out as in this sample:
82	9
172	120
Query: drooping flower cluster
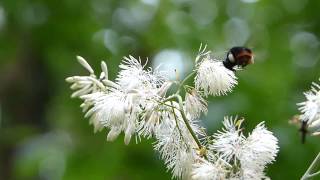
137	104
310	110
117	105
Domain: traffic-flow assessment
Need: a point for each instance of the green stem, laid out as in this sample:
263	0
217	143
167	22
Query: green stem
184	117
170	98
175	118
314	174
184	81
307	174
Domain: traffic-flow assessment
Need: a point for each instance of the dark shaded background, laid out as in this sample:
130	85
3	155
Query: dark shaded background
43	134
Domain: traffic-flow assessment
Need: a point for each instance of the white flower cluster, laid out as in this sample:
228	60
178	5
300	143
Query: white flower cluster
310	110
213	78
137	104
235	156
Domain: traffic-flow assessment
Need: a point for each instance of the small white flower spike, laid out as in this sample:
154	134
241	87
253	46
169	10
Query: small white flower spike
213	78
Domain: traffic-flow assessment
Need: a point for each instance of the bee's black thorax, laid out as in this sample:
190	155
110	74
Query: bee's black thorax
228	64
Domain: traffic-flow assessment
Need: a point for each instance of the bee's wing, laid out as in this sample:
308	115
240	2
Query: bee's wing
219	55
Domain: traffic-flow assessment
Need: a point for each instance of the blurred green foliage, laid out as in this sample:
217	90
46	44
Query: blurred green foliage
43	134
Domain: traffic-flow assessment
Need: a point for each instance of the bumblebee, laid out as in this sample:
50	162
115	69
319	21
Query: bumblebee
238	56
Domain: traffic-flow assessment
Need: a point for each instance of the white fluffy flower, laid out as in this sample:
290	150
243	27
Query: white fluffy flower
213	78
207	171
253	152
109	108
310	109
170	145
150	122
259	149
183	164
175	144
253	174
147	85
195	104
118	105
133	76
153	112
227	143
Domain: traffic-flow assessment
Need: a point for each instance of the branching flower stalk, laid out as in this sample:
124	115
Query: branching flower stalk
137	104
310	171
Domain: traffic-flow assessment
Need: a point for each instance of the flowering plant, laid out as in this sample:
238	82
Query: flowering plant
309	121
137	103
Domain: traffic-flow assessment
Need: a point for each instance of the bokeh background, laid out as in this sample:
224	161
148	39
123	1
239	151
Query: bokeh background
43	134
